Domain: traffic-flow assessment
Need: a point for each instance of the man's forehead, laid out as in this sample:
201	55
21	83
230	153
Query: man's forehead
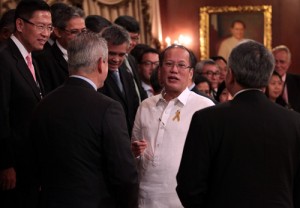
212	67
150	54
177	53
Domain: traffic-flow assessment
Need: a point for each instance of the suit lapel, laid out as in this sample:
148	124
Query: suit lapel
58	55
24	70
125	77
111	82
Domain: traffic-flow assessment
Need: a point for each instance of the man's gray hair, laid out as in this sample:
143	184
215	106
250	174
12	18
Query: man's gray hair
84	52
283	48
116	35
200	65
252	64
66	14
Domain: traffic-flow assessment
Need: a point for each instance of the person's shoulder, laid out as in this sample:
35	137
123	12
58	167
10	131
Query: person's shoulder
293	76
5	47
221	110
197	98
150	101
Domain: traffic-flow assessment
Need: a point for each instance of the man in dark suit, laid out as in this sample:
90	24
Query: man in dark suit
191	82
81	139
119	84
53	62
245	152
20	91
133	28
291	90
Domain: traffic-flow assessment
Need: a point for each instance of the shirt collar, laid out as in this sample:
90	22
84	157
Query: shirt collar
63	50
146	86
244	90
192	86
86	79
283	78
20	46
182	98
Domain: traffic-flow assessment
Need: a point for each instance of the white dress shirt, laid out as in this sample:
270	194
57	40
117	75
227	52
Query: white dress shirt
148	88
164	125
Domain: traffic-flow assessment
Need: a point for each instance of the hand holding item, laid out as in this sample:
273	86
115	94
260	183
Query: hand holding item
7	179
138	147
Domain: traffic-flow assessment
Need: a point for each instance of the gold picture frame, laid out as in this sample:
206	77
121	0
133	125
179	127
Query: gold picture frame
263	13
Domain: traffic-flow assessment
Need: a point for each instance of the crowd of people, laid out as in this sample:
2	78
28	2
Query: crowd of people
92	118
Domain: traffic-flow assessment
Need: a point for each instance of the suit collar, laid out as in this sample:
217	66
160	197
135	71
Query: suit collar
245	90
20	46
58	55
64	52
23	68
87	80
249	96
76	81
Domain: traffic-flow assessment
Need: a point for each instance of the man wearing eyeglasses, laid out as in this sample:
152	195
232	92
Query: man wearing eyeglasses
119	83
133	28
148	61
54	61
209	69
20	91
160	129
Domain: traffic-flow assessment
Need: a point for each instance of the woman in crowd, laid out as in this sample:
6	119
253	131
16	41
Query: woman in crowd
223	94
274	90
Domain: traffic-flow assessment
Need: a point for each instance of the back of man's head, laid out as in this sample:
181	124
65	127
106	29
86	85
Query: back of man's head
66	14
216	58
25	9
146	51
129	23
115	35
251	64
96	23
7	24
84	52
56	12
138	50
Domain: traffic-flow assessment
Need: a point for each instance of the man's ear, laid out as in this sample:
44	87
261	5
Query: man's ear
191	73
230	76
99	66
57	32
19	25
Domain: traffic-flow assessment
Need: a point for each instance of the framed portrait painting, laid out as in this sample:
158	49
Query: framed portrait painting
215	24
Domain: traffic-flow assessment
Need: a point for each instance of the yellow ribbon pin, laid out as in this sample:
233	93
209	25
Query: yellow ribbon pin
177	116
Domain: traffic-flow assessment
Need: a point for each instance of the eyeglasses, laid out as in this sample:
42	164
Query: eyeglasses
150	63
39	27
210	73
171	64
75	31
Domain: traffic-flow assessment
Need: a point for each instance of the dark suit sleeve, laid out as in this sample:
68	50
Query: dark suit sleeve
6	152
121	169
296	196
192	177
